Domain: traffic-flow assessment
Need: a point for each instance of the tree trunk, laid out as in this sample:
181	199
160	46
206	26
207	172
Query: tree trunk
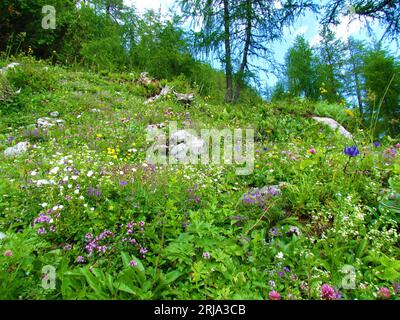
357	82
243	65
228	62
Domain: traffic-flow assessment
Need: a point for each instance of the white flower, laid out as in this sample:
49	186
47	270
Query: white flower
90	173
81	197
85	205
74	177
40	182
92	209
65	179
33	173
76	191
69	186
54	170
121	173
44	205
279	255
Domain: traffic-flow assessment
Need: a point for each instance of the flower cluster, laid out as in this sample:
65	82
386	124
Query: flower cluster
329	293
46	221
97	243
351	151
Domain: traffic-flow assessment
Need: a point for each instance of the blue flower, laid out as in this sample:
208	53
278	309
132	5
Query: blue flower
351	151
377	144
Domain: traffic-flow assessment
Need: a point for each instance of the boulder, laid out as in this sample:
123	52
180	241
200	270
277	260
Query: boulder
17	150
49	122
12	65
183	145
334	125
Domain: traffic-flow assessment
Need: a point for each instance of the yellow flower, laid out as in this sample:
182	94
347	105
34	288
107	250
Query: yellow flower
349	113
99	136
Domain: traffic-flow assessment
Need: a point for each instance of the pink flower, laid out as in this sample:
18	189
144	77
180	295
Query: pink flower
8	253
133	263
397	145
274	295
327	292
384	293
312	151
206	255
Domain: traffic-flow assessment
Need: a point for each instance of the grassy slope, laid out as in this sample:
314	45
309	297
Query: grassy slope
187	210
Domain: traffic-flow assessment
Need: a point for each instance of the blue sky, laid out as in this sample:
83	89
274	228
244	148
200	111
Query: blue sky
307	25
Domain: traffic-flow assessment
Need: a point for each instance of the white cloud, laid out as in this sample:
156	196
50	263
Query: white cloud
142	5
301	30
278	4
315	40
348	26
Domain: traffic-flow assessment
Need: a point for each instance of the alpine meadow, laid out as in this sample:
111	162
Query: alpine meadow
206	152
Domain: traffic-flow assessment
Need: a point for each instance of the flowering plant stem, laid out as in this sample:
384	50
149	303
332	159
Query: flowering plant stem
259	220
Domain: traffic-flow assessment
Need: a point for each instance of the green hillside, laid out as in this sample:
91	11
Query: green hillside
82	200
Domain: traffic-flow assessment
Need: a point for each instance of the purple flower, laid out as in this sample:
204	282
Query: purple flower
141	224
377	144
80	259
390	153
41	231
67	247
328	292
206	255
133	263
88	236
274	295
351	151
143	251
384	293
8	253
42	218
123	183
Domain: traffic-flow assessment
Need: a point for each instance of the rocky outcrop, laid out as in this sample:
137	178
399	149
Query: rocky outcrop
17	150
334	125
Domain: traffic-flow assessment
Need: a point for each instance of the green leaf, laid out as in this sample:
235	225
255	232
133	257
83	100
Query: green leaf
172	276
389	275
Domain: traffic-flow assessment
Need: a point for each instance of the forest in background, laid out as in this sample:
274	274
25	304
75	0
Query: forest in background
107	36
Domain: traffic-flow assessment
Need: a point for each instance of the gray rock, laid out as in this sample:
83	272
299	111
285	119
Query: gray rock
184	144
49	122
12	65
334	125
17	150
